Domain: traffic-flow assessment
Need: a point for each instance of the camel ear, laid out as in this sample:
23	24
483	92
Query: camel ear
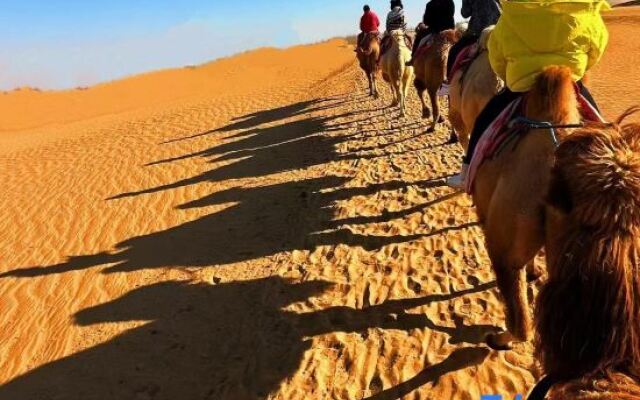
559	196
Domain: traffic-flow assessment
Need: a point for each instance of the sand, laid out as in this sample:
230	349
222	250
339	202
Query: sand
252	228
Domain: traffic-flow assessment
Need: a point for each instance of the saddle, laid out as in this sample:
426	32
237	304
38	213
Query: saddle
366	40
424	45
509	126
386	43
464	60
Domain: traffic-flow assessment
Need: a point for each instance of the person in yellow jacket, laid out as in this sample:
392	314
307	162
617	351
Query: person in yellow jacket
531	35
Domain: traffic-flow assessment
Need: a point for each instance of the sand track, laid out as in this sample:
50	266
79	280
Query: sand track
294	240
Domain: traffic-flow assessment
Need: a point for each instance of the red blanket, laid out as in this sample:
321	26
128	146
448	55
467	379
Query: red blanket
464	58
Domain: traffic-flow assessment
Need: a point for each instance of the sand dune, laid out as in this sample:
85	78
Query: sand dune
252	228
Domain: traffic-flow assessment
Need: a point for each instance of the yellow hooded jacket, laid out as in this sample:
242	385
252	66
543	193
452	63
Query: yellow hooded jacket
532	35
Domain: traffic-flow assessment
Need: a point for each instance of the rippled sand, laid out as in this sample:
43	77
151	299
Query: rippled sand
252	228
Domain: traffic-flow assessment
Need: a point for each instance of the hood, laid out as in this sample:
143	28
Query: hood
545	26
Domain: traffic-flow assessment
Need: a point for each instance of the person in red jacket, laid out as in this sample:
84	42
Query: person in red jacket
369	23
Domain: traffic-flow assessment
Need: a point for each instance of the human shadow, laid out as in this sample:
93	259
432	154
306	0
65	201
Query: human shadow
230	340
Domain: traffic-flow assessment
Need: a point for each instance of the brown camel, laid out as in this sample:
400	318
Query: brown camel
368	56
431	69
588	311
510	192
471	89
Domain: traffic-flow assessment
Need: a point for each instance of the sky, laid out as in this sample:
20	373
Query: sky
61	44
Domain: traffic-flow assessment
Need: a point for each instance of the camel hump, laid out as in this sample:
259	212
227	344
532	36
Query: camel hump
553	97
597	177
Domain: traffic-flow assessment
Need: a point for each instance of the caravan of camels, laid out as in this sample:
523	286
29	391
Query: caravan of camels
460	221
548	173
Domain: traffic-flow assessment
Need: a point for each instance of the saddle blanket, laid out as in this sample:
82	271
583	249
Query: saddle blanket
464	59
499	133
387	41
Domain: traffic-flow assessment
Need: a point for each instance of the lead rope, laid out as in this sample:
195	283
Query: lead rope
532	124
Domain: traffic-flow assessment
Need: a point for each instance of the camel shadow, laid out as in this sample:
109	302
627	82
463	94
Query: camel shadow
262	117
264	151
262	221
231	340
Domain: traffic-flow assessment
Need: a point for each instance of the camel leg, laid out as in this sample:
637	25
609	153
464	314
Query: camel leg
395	88
406	83
401	93
420	89
512	284
512	246
375	85
435	106
514	237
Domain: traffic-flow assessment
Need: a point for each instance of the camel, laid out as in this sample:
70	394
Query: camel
510	192
431	70
395	71
471	89
369	61
588	311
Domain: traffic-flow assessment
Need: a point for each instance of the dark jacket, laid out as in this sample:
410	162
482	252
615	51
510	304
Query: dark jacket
438	16
483	13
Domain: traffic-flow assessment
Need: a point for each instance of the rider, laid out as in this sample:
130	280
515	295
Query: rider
438	17
369	23
534	34
395	21
483	13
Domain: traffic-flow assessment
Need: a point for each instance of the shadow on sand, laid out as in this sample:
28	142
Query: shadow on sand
226	341
234	340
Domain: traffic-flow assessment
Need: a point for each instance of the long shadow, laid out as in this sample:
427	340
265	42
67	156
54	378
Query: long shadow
263	221
232	340
259	141
294	145
262	117
226	341
458	360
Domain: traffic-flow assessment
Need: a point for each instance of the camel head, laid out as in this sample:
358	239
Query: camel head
588	312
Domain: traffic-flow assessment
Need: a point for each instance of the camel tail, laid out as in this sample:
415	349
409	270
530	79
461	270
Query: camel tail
588	312
553	98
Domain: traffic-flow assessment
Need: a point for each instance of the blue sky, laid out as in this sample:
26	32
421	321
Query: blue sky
56	44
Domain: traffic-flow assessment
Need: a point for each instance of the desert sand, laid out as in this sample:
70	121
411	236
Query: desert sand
247	229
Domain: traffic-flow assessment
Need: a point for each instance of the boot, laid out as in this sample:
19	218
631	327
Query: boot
458	181
444	89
